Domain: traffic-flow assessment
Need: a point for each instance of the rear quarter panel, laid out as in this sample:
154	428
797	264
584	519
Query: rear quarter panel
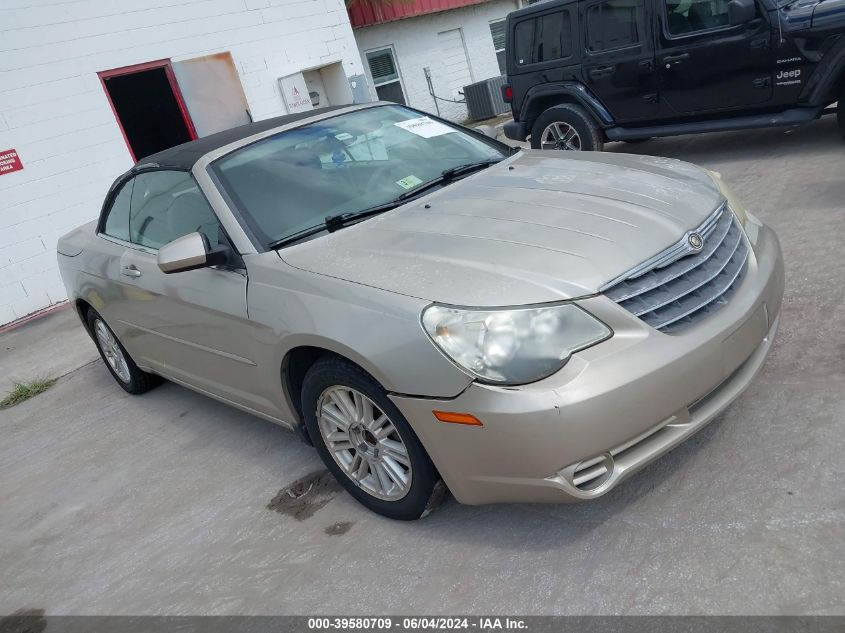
73	252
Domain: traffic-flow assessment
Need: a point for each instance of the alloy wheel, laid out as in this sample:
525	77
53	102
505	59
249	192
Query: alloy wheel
560	135
364	443
112	351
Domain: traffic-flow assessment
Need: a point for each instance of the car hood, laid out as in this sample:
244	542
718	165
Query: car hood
537	227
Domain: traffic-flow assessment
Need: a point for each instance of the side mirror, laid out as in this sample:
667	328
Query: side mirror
741	11
486	130
190	252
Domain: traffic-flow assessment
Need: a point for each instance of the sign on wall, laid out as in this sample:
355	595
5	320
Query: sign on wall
295	93
9	161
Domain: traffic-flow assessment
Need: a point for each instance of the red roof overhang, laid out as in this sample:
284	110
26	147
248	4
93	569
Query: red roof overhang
367	12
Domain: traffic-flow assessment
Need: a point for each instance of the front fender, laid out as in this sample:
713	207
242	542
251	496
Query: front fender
543	96
822	84
376	329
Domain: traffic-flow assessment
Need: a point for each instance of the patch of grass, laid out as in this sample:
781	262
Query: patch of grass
26	390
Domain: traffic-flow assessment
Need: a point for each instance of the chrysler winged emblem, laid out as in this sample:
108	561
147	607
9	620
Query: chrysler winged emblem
696	242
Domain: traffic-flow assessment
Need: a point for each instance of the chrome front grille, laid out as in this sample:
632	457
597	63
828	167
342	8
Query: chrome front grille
679	287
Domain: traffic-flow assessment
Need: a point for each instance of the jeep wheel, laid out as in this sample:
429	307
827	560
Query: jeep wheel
566	127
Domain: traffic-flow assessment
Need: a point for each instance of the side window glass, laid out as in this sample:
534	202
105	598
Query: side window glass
167	205
117	219
613	24
690	16
544	38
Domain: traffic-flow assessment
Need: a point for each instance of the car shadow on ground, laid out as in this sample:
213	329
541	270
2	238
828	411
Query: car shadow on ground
279	458
741	145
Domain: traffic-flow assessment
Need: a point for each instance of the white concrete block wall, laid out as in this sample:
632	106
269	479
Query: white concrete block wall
415	45
54	111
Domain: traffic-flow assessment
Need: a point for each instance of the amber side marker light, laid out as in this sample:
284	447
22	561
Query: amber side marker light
457	418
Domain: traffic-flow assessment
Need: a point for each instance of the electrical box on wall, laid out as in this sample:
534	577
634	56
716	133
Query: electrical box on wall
360	91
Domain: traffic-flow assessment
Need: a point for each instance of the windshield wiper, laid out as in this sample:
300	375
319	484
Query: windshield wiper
334	222
450	174
293	238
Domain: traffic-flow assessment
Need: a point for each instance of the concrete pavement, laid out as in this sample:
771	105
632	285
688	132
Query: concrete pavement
113	504
48	347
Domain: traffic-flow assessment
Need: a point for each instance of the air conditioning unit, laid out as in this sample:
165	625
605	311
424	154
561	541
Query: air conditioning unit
484	98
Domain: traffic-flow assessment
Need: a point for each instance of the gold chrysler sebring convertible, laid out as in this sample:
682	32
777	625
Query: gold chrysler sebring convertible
424	304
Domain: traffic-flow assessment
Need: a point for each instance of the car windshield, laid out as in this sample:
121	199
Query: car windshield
292	181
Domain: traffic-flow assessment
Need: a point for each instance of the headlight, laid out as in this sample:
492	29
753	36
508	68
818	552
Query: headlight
512	346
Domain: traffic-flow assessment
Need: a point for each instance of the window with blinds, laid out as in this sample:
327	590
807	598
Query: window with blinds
385	75
382	66
497	32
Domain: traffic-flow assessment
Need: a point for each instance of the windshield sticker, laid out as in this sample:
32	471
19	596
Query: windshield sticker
409	182
425	127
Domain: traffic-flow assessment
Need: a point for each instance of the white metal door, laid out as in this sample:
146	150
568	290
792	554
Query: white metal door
456	65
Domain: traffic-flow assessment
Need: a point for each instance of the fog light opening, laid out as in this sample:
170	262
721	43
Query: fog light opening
593	473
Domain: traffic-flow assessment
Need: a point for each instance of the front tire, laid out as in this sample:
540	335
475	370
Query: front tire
118	361
366	442
566	127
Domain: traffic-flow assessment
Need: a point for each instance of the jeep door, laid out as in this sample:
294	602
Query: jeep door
619	58
706	64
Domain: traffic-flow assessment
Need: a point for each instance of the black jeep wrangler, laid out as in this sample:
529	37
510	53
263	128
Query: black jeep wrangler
581	72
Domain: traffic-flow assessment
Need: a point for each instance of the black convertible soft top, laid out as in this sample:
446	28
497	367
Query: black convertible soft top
184	156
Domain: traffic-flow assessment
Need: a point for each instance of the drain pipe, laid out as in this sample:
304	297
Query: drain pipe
427	72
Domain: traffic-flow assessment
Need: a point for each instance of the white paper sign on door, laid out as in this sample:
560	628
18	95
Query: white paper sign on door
295	93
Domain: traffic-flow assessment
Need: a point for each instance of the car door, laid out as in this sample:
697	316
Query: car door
619	58
706	64
191	326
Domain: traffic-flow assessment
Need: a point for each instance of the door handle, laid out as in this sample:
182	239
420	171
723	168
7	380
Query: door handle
130	271
602	71
671	60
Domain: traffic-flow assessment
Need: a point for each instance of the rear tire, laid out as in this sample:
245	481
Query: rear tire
566	127
366	442
118	361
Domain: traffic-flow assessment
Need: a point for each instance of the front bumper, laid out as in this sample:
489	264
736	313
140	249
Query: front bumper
613	408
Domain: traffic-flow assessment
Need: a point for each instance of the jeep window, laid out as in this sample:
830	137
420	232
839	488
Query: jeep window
613	24
692	16
543	39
